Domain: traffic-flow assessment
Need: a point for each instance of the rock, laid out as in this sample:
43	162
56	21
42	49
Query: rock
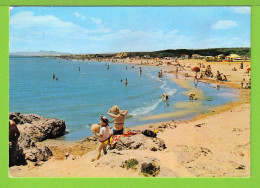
34	128
141	142
38	154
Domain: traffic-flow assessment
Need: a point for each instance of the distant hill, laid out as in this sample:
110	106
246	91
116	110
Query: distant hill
245	52
40	53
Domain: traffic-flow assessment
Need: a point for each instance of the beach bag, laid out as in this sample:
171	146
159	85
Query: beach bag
149	133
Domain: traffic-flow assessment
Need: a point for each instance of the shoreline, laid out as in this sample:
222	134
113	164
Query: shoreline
165	129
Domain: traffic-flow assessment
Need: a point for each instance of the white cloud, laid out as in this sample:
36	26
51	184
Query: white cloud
224	24
241	10
96	21
78	15
48	25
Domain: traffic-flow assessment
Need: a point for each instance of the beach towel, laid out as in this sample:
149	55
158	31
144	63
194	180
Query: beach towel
114	139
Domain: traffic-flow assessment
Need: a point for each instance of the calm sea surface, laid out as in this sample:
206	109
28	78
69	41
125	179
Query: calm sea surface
80	97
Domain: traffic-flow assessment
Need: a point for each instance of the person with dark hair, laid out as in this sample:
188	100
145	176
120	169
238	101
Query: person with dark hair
14	134
103	136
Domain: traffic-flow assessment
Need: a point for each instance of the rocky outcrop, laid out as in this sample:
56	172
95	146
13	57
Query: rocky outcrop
34	128
141	142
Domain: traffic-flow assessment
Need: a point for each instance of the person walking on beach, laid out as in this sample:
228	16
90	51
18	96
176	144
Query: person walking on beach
103	137
119	119
196	80
14	134
242	65
176	71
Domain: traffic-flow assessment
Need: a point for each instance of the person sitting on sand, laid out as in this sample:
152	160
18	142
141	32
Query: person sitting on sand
234	69
103	136
166	97
224	78
218	76
14	134
119	119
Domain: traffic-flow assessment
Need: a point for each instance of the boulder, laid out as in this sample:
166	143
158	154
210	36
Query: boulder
34	128
141	142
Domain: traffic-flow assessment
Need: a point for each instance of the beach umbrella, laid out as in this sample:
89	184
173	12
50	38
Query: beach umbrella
249	69
196	69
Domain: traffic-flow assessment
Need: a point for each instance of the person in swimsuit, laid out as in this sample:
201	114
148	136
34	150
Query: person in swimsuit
103	137
119	119
167	98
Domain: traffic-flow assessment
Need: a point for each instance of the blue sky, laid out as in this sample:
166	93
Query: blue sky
121	29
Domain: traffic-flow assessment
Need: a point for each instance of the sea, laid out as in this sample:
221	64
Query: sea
84	90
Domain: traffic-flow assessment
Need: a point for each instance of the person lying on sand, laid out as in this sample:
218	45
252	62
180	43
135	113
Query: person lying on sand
119	119
103	137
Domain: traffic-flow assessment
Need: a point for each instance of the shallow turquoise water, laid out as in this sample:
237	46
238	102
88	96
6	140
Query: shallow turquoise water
79	97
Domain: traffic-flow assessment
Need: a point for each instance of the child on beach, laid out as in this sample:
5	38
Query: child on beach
103	137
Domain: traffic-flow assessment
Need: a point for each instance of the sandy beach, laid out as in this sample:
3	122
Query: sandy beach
214	144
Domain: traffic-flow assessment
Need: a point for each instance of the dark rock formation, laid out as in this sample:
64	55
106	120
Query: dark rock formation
34	128
141	142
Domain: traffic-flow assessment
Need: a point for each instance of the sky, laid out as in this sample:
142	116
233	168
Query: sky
124	29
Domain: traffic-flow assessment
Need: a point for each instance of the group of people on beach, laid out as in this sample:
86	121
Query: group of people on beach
118	129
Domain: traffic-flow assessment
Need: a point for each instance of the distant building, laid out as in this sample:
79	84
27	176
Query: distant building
220	57
209	58
233	57
147	56
185	56
195	56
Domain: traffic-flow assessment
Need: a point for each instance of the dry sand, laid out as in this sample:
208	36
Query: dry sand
215	144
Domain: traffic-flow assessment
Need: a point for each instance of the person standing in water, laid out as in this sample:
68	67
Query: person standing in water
141	71
119	119
166	97
79	68
126	82
107	67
